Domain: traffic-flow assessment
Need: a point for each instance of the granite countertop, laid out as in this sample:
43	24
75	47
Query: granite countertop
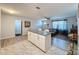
41	32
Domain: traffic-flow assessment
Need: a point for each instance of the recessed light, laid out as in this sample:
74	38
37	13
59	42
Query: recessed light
37	7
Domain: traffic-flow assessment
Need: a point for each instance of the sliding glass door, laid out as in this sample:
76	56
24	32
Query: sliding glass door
60	25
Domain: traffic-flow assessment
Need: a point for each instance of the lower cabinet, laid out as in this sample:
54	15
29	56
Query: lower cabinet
43	42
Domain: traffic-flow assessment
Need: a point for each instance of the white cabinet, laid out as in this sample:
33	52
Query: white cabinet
43	42
29	35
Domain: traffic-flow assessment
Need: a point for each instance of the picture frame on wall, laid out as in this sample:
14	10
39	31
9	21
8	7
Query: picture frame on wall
27	23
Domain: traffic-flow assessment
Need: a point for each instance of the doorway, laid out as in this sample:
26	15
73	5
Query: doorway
18	27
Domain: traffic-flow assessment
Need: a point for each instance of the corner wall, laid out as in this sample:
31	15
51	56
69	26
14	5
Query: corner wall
0	28
0	23
78	28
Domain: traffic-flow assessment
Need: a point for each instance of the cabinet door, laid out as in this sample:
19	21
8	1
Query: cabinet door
42	42
34	38
48	42
29	35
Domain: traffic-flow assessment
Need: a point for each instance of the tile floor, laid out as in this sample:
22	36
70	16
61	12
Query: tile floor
63	42
21	46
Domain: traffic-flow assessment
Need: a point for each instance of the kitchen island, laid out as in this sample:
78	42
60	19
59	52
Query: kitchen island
40	39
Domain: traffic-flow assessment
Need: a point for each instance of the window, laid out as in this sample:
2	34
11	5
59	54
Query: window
61	25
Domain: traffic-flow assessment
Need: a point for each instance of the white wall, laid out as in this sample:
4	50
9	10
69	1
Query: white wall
0	28
8	25
24	30
36	24
33	24
0	23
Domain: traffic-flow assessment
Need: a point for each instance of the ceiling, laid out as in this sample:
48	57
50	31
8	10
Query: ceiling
52	10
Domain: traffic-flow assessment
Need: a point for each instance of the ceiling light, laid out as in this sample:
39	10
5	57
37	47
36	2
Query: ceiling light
37	7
